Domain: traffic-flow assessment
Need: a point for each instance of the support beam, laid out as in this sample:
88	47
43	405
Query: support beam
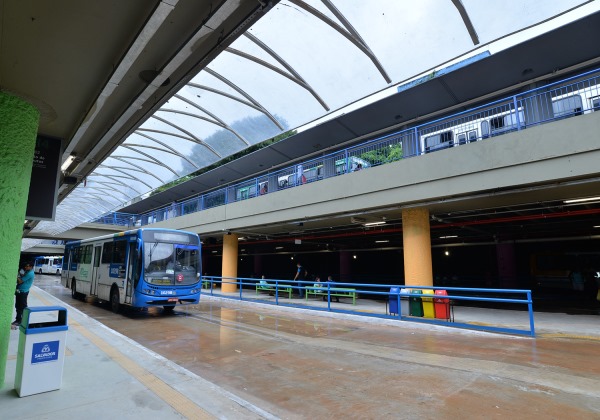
417	247
230	262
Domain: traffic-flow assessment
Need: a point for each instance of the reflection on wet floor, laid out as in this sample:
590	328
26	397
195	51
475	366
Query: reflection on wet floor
300	364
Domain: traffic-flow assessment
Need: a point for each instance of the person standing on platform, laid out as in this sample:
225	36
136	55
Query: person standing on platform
300	277
24	283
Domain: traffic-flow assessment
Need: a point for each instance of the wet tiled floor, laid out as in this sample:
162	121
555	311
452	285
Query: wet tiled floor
294	363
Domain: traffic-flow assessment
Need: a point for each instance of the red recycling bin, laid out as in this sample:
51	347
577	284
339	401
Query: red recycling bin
442	306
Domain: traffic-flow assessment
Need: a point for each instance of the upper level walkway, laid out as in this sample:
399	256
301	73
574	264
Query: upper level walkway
512	156
499	154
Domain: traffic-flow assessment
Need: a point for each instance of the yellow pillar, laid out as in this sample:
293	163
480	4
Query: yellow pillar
230	262
417	247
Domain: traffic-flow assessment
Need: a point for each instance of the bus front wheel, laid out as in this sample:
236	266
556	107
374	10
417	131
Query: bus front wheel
114	300
168	309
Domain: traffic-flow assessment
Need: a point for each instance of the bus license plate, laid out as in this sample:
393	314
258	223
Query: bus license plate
173	300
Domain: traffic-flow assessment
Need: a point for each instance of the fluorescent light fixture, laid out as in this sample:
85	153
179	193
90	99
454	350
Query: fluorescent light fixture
67	163
597	226
581	200
382	242
374	223
278	247
449	236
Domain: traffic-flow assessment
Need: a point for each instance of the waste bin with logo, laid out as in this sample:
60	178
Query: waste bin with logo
442	306
41	352
416	309
428	310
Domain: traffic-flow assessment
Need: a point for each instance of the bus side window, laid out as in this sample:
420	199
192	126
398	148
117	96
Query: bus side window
472	135
485	129
119	252
107	252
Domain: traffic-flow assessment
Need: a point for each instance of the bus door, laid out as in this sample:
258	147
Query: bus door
132	258
95	270
66	274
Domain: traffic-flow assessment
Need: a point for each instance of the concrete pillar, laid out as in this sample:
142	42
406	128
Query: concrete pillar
18	129
507	265
258	266
345	267
230	262
417	247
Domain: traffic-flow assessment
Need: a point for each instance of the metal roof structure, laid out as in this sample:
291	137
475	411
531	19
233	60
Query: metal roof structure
143	93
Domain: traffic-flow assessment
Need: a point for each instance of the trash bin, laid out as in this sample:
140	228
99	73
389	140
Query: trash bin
393	300
41	352
428	310
442	306
416	309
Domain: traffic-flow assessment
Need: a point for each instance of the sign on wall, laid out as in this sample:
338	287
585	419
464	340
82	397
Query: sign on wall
43	189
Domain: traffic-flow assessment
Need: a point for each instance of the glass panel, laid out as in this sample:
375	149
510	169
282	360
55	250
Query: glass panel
171	264
298	63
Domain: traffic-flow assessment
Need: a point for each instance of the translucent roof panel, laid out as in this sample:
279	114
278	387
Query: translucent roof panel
300	62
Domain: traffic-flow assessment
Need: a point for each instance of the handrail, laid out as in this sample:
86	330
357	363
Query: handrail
327	166
246	287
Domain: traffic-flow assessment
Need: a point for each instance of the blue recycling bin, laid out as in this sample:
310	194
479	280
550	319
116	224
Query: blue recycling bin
393	301
41	352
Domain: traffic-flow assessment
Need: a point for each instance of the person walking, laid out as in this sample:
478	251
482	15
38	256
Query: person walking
24	283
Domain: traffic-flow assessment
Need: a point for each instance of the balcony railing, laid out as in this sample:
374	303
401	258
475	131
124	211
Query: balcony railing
570	97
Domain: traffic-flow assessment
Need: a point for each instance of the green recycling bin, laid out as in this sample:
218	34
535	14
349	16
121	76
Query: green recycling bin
415	305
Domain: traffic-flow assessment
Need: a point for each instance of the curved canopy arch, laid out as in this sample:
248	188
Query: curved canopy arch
302	61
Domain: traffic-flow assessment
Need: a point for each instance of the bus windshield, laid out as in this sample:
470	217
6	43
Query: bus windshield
171	264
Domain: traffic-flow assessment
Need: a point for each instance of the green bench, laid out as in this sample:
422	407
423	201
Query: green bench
333	291
271	288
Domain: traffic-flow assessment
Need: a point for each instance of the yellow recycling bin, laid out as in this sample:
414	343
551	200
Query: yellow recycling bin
428	308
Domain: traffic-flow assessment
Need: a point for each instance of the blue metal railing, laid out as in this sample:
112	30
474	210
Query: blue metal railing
117	218
569	97
374	296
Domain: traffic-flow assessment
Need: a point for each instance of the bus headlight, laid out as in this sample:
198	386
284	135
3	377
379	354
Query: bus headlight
149	291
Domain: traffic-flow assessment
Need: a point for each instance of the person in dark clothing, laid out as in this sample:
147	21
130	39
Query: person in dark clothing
24	283
300	276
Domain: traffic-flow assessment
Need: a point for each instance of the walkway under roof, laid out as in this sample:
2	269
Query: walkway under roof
172	87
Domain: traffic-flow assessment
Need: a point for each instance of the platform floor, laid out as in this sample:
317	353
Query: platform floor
235	360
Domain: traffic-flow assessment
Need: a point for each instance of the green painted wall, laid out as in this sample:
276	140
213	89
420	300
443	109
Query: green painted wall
18	130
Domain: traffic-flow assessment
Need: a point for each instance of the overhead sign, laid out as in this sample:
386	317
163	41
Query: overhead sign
45	173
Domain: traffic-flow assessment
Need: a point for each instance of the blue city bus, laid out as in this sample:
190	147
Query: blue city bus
138	268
